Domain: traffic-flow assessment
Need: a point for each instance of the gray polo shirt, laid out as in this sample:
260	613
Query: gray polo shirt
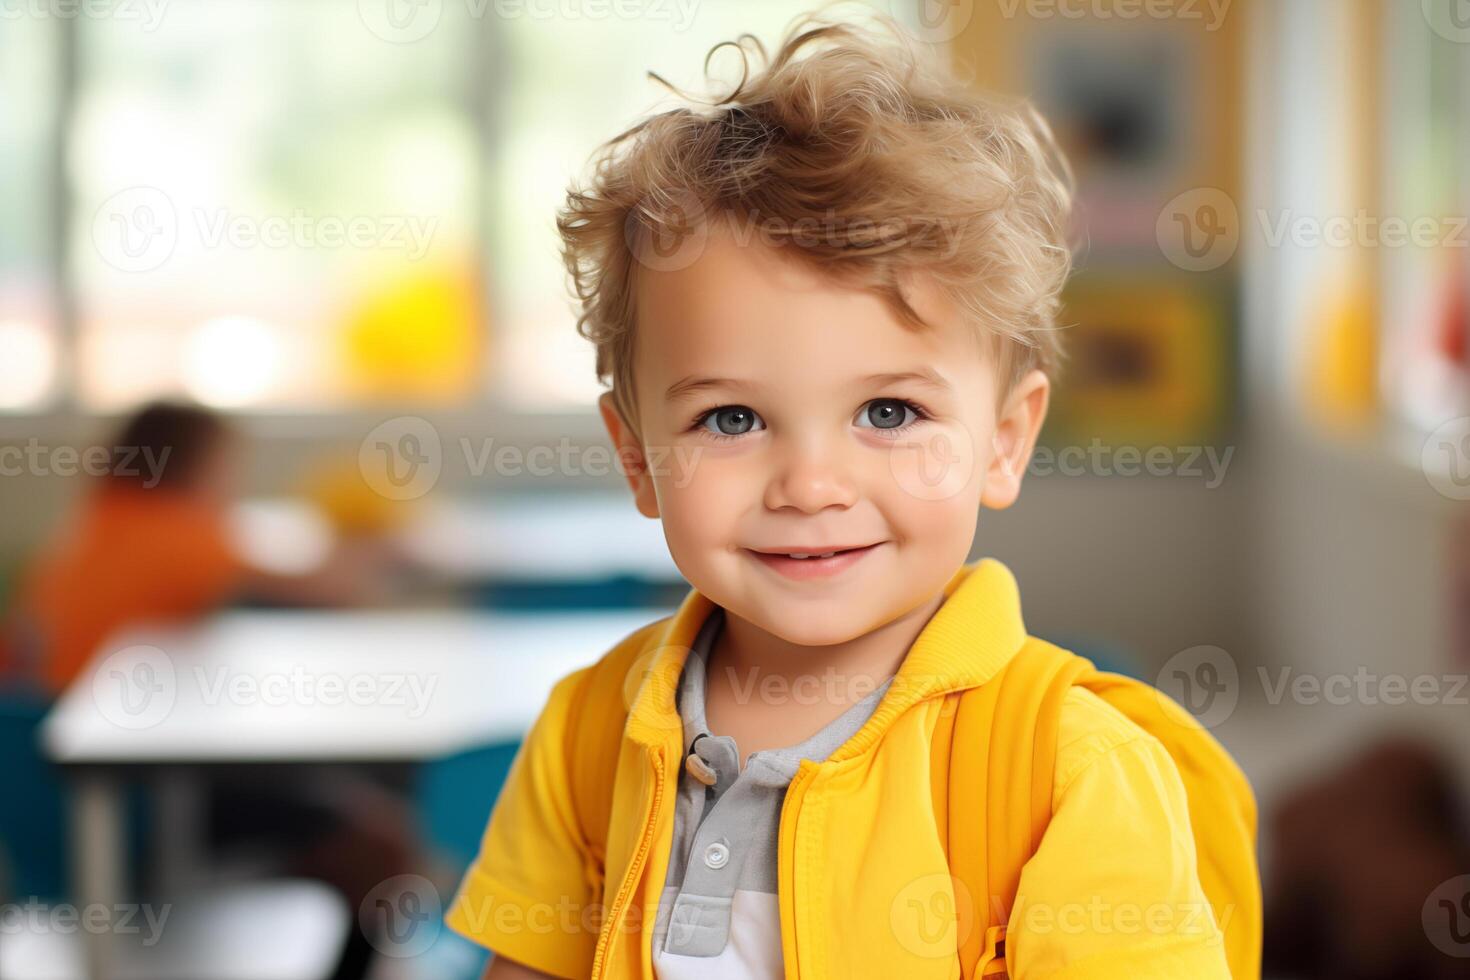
718	914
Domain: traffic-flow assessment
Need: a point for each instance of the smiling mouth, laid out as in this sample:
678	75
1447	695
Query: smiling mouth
813	563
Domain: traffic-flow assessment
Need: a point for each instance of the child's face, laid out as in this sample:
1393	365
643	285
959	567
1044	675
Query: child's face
817	443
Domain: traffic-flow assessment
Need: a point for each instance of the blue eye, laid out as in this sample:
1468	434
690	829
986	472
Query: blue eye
731	420
887	413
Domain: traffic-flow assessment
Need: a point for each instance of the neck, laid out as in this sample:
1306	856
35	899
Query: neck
745	657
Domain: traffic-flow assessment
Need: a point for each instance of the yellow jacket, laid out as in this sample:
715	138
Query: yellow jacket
865	890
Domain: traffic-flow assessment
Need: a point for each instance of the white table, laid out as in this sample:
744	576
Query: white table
297	687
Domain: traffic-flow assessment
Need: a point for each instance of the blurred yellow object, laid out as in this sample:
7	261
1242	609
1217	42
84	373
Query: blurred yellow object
352	507
415	335
1342	358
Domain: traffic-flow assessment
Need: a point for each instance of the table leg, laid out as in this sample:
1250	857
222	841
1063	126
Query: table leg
178	806
100	860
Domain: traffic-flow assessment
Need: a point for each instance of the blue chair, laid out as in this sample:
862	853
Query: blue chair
32	805
454	798
456	795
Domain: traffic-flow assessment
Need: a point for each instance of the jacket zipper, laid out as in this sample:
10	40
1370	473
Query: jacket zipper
786	854
635	868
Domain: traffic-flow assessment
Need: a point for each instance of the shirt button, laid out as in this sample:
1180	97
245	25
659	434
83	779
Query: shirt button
716	856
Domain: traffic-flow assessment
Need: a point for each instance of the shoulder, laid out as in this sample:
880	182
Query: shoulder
613	676
1091	730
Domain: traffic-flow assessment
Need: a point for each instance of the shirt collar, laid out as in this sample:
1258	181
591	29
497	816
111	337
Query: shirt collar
973	634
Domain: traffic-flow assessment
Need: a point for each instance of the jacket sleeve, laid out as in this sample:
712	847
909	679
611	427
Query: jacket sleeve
1113	890
528	894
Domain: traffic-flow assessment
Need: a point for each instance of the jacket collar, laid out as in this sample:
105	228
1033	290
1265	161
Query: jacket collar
973	634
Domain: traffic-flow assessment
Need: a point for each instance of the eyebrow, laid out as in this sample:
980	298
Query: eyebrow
692	386
689	387
927	377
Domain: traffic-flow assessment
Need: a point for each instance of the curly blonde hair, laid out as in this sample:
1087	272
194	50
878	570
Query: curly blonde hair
866	155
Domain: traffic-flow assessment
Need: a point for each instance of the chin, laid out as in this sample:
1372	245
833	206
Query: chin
809	629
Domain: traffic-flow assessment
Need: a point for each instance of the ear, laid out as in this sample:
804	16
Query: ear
629	450
1016	430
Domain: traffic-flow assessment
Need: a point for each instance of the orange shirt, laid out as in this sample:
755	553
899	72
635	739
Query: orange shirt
129	555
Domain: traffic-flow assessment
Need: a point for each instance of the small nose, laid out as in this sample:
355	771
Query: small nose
810	478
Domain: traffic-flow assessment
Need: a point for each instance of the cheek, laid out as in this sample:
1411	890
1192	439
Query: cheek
942	531
701	499
937	465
